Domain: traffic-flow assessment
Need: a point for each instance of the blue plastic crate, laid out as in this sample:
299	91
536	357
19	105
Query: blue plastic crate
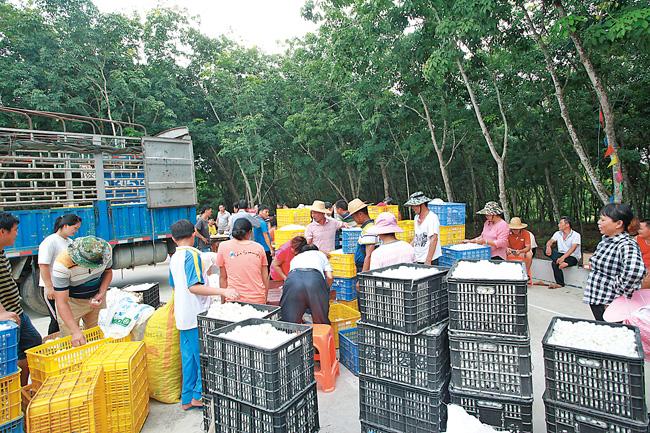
346	288
349	350
13	426
451	256
350	240
449	214
8	348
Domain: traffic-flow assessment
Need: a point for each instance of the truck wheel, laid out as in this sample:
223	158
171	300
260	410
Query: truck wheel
32	294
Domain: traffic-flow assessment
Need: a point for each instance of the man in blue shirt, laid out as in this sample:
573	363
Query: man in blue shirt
261	234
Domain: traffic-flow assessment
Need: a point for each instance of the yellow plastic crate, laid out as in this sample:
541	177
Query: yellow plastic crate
302	216
342	317
10	397
58	356
343	264
450	235
374	211
354	304
409	231
285	217
69	403
282	236
126	384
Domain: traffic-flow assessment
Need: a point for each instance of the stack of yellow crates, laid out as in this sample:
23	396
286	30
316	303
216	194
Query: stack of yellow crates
126	384
69	403
58	356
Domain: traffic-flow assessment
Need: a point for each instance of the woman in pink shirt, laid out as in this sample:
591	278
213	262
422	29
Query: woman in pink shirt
495	231
243	265
392	251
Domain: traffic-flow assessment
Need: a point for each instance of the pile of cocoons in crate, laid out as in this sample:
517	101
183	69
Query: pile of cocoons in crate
407	273
486	270
232	312
597	338
459	421
465	247
265	336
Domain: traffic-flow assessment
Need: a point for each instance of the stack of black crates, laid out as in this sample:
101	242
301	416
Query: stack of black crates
591	391
491	371
403	353
247	388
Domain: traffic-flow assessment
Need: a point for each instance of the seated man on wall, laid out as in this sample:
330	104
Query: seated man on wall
567	253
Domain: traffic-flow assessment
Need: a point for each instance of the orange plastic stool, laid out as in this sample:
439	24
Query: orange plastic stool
329	365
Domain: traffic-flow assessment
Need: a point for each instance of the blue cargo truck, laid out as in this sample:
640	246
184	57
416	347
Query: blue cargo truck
127	190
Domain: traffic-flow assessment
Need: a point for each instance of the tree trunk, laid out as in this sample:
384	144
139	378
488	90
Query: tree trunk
597	185
549	186
503	198
603	98
384	175
439	152
474	190
249	192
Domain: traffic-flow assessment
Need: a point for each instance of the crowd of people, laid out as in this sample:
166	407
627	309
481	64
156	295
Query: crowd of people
75	273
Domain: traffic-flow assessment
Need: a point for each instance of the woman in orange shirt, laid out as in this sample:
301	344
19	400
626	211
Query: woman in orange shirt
643	238
519	247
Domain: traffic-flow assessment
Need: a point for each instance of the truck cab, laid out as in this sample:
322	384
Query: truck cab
128	190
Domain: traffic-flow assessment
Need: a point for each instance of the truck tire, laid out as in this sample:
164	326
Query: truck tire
32	295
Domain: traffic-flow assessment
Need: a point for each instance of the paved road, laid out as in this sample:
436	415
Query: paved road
339	410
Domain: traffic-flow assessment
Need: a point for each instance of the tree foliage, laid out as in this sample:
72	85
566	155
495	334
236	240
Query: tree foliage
372	104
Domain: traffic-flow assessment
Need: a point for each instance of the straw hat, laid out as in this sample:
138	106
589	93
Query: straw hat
356	205
319	206
385	223
90	252
516	224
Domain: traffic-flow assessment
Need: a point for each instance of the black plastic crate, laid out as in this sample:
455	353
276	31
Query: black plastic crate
402	408
208	324
299	416
491	364
403	305
264	378
566	418
208	416
488	307
151	296
367	427
503	413
420	360
607	383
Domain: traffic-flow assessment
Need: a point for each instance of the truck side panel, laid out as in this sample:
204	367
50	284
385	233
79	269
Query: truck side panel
127	222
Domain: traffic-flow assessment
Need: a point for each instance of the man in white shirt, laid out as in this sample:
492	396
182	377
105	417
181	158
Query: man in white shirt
223	219
567	252
427	230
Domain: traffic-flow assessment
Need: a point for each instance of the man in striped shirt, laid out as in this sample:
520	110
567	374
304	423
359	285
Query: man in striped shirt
10	308
81	276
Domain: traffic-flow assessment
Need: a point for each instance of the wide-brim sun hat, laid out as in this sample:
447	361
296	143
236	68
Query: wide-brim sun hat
416	199
356	205
491	208
385	223
622	308
319	206
516	224
90	252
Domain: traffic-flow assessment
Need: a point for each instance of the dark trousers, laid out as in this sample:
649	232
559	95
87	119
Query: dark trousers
269	259
303	289
51	311
557	272
598	311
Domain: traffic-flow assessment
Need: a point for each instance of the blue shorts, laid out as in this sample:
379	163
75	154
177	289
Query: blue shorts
28	336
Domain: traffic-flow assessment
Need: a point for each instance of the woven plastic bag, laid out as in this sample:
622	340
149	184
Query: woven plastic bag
162	341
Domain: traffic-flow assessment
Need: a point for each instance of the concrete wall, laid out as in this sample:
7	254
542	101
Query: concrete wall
574	276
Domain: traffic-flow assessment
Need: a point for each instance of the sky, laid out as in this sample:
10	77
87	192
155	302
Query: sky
262	23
